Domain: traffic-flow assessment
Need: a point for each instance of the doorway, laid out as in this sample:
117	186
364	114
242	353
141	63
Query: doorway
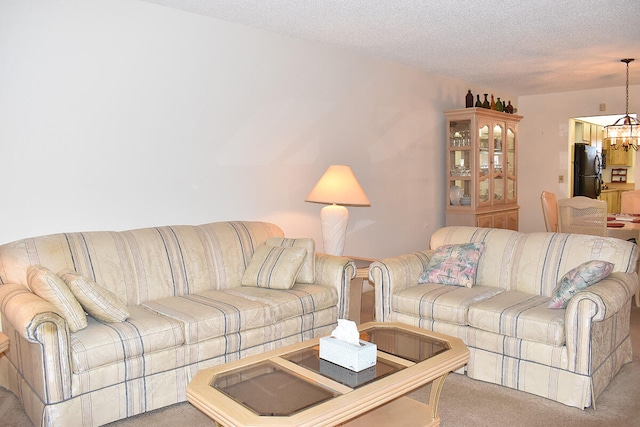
618	166
591	130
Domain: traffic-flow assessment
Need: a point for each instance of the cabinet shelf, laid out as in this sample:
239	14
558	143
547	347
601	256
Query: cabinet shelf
488	161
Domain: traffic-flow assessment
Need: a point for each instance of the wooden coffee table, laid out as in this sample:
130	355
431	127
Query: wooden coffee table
292	386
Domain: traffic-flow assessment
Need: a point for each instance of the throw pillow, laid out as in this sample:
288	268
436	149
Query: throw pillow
274	267
307	273
579	278
97	301
453	265
47	285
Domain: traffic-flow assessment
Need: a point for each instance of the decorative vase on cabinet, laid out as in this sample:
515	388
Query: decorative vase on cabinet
482	173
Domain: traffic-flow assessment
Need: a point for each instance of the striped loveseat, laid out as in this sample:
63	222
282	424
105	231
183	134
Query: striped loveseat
568	355
187	310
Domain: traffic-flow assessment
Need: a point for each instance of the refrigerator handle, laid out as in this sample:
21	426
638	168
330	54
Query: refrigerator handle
598	185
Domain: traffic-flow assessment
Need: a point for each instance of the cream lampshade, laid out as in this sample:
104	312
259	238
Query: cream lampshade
337	187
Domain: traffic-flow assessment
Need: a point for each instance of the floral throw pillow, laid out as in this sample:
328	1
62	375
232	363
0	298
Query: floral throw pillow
454	265
579	278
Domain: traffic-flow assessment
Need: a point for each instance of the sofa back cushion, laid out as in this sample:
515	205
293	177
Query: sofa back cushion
145	264
534	263
542	259
493	267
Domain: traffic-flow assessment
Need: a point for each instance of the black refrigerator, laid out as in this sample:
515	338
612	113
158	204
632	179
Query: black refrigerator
586	171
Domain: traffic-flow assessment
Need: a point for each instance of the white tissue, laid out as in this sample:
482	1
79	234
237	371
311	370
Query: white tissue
347	331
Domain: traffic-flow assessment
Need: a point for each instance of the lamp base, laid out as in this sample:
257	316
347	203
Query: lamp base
334	219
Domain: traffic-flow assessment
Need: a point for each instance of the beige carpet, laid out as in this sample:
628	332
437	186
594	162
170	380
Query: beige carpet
464	402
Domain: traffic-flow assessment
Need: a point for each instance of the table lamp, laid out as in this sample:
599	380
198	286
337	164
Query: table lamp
337	187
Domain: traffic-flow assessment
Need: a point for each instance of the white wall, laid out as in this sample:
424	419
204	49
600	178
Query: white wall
544	142
121	114
117	114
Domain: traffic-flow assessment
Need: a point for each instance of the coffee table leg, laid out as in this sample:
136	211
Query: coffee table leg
434	396
412	412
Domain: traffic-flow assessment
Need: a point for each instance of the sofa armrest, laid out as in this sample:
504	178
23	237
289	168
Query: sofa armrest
602	302
337	272
40	342
391	275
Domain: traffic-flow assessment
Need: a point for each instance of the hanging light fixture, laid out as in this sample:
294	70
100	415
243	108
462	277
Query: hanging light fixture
625	132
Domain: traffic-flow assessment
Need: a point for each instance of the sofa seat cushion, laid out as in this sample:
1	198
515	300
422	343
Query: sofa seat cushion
143	332
441	302
211	314
300	300
520	315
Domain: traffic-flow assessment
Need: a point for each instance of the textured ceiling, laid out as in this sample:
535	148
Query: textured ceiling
521	47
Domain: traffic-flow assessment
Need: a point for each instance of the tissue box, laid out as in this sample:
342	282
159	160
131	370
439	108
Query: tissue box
346	376
348	355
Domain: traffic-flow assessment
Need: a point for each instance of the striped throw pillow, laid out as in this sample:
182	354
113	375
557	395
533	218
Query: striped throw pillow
274	267
99	302
307	273
47	285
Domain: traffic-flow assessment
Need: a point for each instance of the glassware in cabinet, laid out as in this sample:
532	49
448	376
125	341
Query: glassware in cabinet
459	163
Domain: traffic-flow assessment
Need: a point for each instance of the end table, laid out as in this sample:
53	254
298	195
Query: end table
355	287
4	343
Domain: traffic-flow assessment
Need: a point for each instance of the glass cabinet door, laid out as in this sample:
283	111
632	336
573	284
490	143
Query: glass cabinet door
497	166
484	166
459	163
511	174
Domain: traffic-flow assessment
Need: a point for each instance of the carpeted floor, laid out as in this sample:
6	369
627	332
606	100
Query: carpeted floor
463	403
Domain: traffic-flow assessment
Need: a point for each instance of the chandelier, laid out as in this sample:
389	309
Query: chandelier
625	132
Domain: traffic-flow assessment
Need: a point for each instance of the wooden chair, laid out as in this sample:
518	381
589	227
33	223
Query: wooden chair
582	215
630	202
549	210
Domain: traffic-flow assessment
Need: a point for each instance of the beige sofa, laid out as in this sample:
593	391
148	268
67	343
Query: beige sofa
569	355
188	310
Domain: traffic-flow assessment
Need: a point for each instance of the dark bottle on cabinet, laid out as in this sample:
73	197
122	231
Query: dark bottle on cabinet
469	99
499	105
493	103
509	108
478	102
486	104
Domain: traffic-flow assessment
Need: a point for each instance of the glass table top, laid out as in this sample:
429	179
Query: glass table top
270	389
404	344
310	359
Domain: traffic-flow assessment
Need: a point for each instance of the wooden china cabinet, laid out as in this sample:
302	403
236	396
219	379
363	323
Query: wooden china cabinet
482	169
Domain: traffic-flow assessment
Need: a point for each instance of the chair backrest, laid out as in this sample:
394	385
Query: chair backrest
549	210
630	202
582	215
